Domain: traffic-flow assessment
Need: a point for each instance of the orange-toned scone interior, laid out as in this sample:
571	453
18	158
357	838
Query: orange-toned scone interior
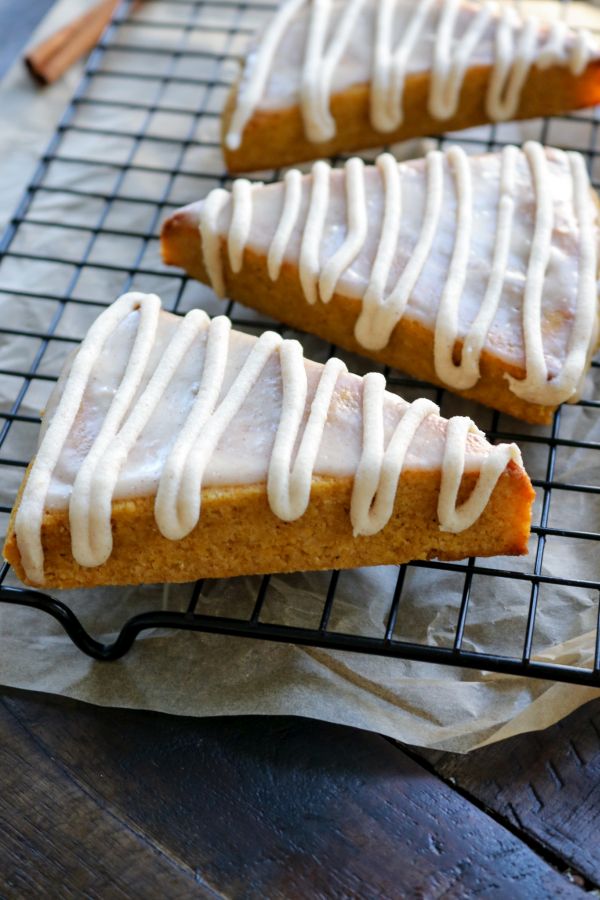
410	348
468	195
239	535
276	137
156	411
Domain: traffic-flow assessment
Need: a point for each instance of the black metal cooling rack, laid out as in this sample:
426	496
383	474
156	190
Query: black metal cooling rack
159	77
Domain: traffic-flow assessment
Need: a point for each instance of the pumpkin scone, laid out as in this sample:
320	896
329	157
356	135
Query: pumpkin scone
333	76
476	273
175	448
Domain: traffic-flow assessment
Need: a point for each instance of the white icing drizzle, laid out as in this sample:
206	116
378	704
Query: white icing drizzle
553	46
389	67
90	505
379	469
30	514
178	500
172	508
455	518
319	65
89	538
368	327
514	57
241	220
380	313
466	374
310	249
329	29
580	56
213	428
446	324
451	57
259	65
565	385
287	220
288	486
357	230
211	241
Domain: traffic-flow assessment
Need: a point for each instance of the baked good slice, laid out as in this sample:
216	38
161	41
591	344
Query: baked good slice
477	273
174	449
332	76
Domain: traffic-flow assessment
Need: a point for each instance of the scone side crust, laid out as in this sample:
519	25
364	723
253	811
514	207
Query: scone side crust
238	534
182	391
546	93
410	348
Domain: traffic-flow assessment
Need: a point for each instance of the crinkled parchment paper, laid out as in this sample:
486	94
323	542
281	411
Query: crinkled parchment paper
206	675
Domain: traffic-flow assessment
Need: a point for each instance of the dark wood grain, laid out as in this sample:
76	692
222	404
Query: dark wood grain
546	784
241	807
55	834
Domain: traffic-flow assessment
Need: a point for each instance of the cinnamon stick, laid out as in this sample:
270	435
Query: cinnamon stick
53	56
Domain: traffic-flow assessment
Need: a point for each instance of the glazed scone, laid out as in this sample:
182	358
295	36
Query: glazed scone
174	449
476	273
334	76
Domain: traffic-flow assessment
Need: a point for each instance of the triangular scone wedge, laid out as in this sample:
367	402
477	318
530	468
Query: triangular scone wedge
332	76
477	273
175	449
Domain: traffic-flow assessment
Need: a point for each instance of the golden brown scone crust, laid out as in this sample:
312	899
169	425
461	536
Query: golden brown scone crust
239	535
274	138
410	348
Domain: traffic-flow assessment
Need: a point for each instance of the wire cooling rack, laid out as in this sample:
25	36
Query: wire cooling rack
140	138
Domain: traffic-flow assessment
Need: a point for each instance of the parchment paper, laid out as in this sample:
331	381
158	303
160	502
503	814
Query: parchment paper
205	675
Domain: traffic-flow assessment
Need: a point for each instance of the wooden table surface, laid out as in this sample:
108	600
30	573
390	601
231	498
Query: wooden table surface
105	803
101	803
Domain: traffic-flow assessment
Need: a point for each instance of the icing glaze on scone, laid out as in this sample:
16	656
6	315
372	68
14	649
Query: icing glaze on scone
157	405
498	251
313	49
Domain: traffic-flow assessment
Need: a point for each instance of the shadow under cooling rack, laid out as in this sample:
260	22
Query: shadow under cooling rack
140	138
